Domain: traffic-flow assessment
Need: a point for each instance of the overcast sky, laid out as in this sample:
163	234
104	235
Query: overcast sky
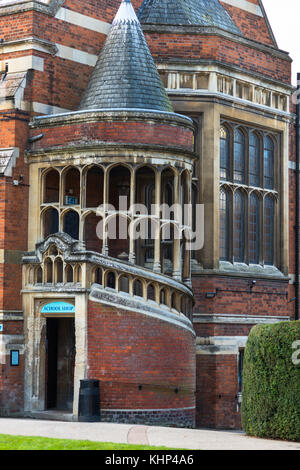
284	17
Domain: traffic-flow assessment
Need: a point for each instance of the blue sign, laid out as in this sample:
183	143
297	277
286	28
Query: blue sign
14	358
1	328
58	307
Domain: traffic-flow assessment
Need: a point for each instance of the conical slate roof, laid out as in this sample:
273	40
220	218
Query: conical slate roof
125	75
187	12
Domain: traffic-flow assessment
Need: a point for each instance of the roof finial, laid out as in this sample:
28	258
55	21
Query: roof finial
126	13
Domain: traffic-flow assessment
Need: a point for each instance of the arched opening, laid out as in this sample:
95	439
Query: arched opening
184	305
118	237
94	187
39	275
111	280
97	276
138	288
69	274
163	297
52	251
145	197
59	270
77	274
167	248
71	224
119	188
50	222
48	271
91	233
144	236
71	187
151	292
124	284
167	192
173	301
51	186
30	276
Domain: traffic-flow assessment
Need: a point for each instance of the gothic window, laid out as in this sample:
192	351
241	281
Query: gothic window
268	163
224	224
254	229
248	195
50	222
71	224
238	227
224	154
269	230
254	163
239	157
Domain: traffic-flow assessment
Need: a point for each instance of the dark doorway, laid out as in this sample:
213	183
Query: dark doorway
60	360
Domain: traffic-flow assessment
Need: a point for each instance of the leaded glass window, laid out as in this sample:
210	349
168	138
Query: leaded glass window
254	163
224	224
238	227
224	154
254	229
268	163
269	230
239	157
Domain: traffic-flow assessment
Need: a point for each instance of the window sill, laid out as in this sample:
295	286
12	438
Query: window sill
241	270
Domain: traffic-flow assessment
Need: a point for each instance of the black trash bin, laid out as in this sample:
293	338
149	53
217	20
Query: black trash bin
89	401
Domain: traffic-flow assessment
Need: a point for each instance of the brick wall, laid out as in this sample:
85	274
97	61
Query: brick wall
12	377
127	132
234	296
217	389
142	363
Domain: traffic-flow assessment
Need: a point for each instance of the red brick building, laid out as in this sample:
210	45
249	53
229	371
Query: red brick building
189	104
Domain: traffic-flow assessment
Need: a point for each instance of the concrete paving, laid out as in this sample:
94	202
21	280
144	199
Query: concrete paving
136	434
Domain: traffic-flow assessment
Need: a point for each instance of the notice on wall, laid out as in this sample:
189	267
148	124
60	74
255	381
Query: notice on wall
58	307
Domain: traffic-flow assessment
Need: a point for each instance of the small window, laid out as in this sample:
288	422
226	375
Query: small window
224	225
239	227
239	156
224	154
268	163
254	229
269	230
254	173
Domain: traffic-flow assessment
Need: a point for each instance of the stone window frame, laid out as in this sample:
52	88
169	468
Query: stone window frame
231	187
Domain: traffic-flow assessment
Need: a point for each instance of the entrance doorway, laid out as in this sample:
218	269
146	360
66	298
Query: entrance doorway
60	361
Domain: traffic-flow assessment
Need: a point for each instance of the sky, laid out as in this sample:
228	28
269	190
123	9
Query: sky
284	17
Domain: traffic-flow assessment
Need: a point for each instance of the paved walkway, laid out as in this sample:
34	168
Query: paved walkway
133	434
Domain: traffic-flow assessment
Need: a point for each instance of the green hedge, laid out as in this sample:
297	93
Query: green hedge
271	382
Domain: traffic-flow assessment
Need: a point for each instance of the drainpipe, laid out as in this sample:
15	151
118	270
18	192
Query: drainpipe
297	234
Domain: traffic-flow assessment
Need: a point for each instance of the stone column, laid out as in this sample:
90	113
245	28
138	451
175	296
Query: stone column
157	241
176	232
105	203
188	222
132	200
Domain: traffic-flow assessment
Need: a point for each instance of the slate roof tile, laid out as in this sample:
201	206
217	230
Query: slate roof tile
187	12
125	75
